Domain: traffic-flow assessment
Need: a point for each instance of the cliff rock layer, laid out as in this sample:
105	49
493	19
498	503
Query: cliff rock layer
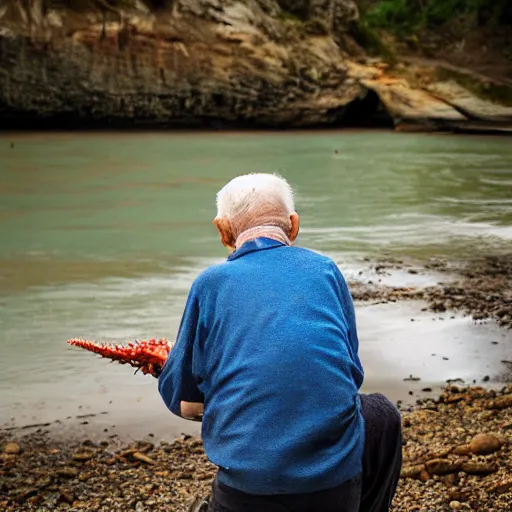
215	63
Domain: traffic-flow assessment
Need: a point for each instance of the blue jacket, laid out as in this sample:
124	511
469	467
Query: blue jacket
268	342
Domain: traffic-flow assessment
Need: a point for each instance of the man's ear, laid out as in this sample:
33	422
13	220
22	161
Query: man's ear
294	226
226	234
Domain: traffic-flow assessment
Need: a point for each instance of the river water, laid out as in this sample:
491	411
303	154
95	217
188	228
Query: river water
102	234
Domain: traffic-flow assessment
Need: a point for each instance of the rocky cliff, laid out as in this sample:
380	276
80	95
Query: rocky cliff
217	63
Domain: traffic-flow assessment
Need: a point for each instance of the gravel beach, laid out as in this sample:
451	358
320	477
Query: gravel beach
457	456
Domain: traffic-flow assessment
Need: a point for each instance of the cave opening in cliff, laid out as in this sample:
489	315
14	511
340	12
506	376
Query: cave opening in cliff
367	111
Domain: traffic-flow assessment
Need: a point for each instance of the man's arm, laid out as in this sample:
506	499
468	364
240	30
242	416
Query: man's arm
347	305
178	381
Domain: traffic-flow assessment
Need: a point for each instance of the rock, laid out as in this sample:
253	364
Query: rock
458	495
441	466
503	402
144	446
455	505
12	448
413	106
66	496
83	457
412	471
484	444
143	458
463	449
127	453
424	476
441	453
450	480
473	107
23	495
451	399
479	468
502	486
67	472
439	307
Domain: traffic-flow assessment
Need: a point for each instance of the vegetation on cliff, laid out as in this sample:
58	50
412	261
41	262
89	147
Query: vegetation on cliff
404	16
468	41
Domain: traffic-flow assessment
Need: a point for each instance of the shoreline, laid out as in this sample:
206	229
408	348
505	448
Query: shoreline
435	305
456	457
233	130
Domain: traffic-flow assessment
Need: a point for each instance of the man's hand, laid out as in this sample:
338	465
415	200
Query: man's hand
192	411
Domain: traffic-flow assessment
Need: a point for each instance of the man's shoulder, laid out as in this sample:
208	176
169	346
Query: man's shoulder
211	275
218	273
313	256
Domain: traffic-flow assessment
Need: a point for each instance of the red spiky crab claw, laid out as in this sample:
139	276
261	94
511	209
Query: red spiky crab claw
148	356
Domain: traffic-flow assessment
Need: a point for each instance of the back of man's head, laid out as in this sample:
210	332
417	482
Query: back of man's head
254	200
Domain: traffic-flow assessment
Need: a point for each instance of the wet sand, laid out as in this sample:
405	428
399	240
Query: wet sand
433	348
414	338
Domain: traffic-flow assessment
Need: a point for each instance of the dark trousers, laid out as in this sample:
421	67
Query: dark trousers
373	491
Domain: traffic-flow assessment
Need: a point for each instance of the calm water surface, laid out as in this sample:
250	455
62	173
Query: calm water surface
102	234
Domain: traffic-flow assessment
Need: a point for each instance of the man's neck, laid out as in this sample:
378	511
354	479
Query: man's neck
273	232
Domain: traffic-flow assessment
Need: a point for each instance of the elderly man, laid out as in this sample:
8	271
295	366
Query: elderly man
268	346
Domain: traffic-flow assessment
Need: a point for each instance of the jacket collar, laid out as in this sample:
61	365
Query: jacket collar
257	244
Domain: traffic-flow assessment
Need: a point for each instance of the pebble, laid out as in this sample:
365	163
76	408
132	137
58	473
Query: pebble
67	472
143	458
66	496
484	444
12	448
83	457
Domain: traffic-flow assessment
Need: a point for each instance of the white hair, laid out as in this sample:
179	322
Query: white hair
254	200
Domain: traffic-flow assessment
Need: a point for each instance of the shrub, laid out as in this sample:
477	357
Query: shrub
404	16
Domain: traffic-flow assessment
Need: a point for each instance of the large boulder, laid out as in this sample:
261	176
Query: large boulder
469	104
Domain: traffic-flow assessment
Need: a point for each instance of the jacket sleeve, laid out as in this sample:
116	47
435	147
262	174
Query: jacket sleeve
347	305
178	381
